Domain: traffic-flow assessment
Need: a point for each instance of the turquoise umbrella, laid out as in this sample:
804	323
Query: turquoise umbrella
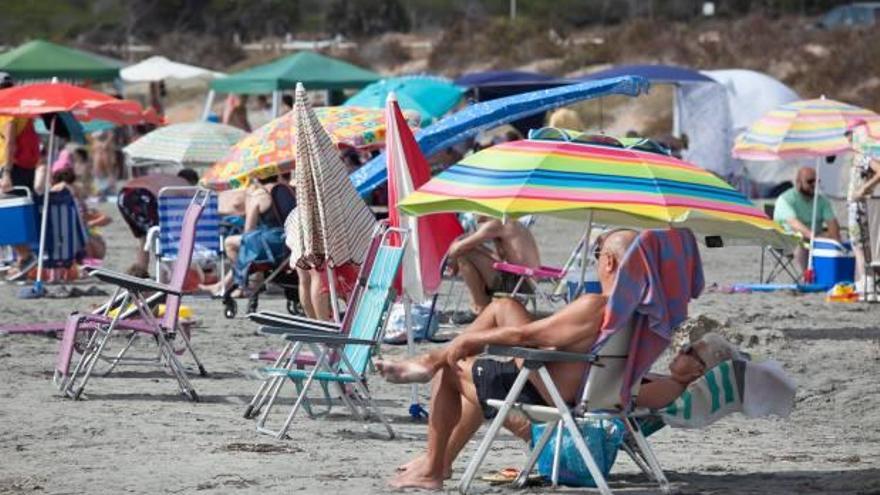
431	96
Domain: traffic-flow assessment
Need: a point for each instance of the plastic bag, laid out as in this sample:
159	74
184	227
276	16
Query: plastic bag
395	333
603	438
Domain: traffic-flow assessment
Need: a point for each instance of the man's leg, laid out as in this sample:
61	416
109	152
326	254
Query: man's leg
476	270
500	313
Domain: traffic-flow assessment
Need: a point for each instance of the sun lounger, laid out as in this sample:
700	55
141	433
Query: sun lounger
354	349
135	291
635	332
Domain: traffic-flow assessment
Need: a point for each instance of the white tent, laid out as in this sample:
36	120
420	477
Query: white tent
158	68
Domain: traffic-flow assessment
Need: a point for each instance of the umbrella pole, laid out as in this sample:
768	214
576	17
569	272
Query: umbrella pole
209	102
585	256
334	301
809	275
38	284
416	411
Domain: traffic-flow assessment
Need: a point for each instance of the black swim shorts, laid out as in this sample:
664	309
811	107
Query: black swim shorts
494	379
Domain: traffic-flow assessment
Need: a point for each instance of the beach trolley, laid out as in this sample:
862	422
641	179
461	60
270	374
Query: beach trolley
18	216
165	238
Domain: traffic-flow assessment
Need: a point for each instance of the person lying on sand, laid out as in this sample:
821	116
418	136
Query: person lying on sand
463	383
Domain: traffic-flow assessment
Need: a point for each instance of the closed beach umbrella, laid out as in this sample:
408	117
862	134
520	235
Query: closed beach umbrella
331	224
193	144
271	149
430	96
617	186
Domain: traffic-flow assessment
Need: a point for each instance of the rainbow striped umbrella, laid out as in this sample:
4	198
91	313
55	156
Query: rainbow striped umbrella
802	129
618	186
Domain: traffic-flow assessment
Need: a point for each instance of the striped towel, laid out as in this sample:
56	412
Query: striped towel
171	211
754	389
660	273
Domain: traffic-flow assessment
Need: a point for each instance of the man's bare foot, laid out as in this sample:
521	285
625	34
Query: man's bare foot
418	463
409	371
416	478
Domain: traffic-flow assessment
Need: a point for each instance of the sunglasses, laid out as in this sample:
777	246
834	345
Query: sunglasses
688	350
811	182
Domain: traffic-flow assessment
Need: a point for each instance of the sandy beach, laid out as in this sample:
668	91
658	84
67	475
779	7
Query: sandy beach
134	433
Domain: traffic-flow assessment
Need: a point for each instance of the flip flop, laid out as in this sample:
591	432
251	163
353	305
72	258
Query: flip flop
509	475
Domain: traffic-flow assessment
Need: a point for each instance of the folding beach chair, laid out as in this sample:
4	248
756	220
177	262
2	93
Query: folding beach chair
780	261
274	321
619	359
133	290
354	350
165	238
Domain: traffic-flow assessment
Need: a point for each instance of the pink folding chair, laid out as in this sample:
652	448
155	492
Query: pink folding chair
134	291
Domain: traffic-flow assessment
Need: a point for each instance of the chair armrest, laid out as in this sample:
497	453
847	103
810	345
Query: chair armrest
540	355
324	338
278	319
270	329
132	283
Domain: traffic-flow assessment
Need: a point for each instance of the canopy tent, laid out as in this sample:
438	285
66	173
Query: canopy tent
699	110
492	84
750	95
44	60
430	96
158	68
487	115
314	70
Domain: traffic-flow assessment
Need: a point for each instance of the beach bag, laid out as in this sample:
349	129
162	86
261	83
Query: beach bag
603	438
395	333
27	147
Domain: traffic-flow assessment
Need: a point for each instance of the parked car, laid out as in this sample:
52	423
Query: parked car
858	14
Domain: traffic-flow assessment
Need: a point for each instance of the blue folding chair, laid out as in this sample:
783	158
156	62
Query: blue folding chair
173	202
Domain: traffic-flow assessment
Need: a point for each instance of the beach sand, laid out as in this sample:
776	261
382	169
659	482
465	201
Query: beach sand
135	434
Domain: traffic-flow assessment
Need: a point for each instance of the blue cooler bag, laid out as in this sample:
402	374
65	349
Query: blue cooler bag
603	438
18	218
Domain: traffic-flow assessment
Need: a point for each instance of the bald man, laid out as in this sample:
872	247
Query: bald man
794	211
463	382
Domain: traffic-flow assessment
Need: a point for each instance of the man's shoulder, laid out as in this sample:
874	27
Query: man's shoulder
591	299
789	196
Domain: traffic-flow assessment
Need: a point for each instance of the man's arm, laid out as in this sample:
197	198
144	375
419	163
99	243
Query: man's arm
798	227
834	229
6	170
485	232
579	321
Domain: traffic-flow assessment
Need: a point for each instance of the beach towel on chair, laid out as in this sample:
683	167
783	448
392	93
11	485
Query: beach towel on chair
658	277
755	389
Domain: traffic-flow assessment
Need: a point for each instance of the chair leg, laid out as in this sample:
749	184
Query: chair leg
192	352
575	432
121	354
282	432
259	398
492	432
523	477
648	454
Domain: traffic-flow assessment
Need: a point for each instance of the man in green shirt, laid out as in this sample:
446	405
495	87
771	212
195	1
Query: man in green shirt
794	211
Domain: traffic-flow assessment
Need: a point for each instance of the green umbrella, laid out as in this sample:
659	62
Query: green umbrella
312	69
40	59
430	96
192	144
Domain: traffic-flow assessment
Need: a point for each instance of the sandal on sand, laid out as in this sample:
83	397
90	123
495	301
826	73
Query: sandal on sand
508	475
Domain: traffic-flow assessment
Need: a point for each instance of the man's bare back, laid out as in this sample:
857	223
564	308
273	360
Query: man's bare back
516	244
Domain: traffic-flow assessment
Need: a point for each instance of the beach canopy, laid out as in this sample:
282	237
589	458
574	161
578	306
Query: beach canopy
312	69
616	186
486	115
40	59
656	73
158	68
430	96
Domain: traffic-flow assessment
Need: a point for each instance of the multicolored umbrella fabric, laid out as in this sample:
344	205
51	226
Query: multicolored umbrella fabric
271	149
331	223
619	187
430	96
189	144
802	129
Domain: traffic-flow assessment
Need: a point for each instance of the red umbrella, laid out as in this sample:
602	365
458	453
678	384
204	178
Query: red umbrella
33	100
85	104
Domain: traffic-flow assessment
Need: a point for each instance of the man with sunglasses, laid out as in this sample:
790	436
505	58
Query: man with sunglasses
794	211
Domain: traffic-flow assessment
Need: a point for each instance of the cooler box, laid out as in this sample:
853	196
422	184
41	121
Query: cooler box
833	262
18	220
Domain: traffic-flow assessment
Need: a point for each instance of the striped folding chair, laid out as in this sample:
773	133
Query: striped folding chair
65	233
173	202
